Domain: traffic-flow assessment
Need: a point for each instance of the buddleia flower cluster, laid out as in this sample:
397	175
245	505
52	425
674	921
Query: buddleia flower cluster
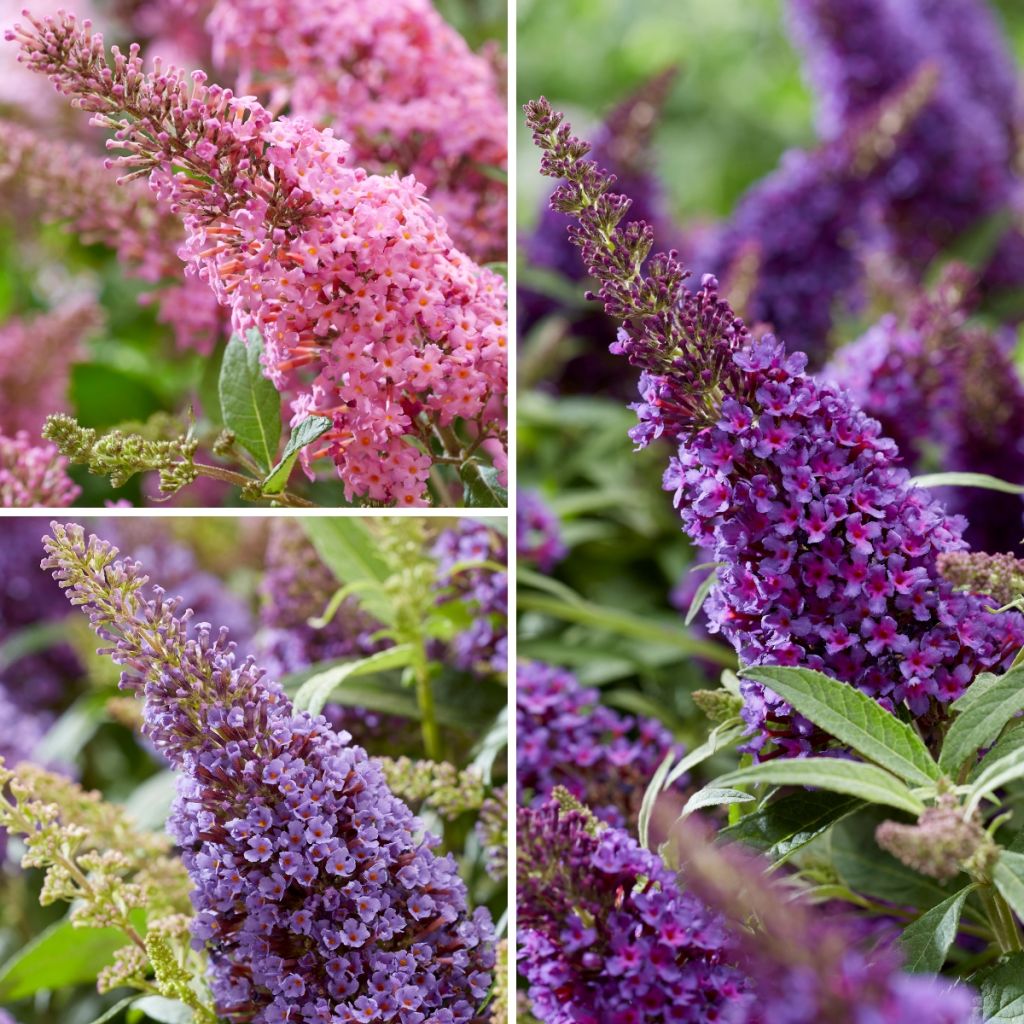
946	390
605	934
33	474
370	315
827	552
36	354
566	737
65	182
957	164
317	895
395	80
538	532
484	645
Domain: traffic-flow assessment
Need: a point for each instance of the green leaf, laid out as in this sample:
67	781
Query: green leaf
149	803
115	1010
713	797
866	868
585	613
73	729
60	957
722	736
349	550
166	1011
1008	875
314	693
250	404
927	940
853	778
980	685
1002	992
853	718
701	596
30	640
651	794
304	434
481	487
989	483
556	588
982	719
784	825
995	773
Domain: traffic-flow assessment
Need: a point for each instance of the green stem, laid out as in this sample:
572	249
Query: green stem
1000	917
584	613
428	713
240	480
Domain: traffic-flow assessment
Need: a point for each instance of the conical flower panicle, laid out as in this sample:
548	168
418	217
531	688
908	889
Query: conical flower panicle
827	552
371	317
317	895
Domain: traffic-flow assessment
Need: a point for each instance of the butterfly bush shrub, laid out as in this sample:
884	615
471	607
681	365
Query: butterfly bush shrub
322	236
858	762
326	882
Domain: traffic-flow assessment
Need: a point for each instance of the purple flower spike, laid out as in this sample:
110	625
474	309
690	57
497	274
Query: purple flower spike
317	895
820	536
605	935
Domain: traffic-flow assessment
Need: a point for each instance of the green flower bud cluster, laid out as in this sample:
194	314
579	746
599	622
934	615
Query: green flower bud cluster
437	785
1000	576
114	874
120	454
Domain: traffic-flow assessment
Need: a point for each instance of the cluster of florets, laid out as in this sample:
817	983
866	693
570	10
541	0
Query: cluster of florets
568	738
956	164
36	354
623	144
66	182
484	645
606	935
395	80
317	895
33	474
370	315
999	576
792	252
826	551
941	387
538	532
398	325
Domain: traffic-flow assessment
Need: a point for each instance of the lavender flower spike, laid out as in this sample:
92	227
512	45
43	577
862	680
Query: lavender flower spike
317	895
827	552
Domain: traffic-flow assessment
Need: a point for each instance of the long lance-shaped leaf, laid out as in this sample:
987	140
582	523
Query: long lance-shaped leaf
853	778
853	718
982	719
926	942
